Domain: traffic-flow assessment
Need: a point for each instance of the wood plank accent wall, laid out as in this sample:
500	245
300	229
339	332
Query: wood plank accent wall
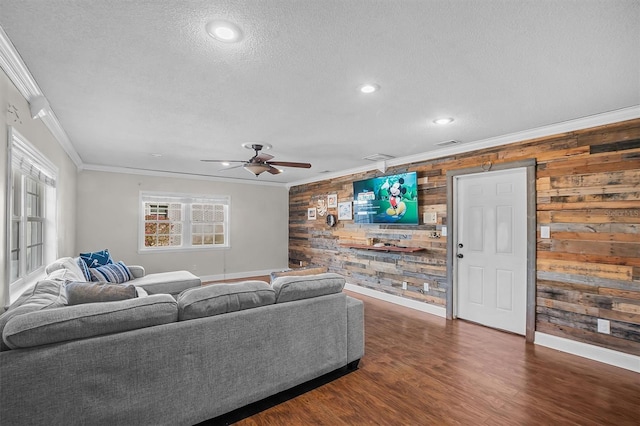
588	193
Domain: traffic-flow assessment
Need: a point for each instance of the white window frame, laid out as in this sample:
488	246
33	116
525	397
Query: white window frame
25	162
184	232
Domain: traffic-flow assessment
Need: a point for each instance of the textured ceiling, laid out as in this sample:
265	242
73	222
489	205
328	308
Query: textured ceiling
130	78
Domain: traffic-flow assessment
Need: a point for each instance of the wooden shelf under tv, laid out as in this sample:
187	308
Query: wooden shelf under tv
383	248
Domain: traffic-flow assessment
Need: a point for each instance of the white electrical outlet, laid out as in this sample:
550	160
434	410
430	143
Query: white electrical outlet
604	326
426	287
404	285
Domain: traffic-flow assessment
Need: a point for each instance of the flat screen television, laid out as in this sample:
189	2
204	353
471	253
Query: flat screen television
386	199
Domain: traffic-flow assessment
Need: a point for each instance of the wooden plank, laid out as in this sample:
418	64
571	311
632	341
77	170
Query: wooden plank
625	207
602	215
626	294
613	272
545	253
618	177
599	249
627	161
596	190
567	307
609	134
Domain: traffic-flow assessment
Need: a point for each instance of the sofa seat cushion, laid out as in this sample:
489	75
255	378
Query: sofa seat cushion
172	282
79	292
45	294
293	288
83	321
216	299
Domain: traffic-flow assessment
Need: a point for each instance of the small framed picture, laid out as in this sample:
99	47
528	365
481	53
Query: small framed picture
332	201
311	213
345	211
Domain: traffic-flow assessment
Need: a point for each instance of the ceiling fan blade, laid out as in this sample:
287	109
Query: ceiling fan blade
289	164
262	157
224	161
273	170
232	167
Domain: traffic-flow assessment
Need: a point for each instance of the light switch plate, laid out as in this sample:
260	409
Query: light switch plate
430	217
545	232
443	232
604	326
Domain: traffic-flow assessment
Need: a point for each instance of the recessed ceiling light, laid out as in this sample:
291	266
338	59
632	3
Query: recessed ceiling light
224	31
369	88
445	120
225	163
156	155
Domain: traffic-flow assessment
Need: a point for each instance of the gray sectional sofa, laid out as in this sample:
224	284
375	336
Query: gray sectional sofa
163	360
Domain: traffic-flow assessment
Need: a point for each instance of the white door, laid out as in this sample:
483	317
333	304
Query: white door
490	250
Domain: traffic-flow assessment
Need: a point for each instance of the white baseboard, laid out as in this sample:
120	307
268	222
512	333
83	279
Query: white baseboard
408	303
236	275
596	353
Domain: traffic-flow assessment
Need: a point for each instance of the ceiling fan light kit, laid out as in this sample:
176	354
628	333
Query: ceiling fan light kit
256	169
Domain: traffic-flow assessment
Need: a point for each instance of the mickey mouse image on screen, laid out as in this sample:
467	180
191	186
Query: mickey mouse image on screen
397	207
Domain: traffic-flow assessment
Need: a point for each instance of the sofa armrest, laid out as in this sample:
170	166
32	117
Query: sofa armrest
355	329
136	270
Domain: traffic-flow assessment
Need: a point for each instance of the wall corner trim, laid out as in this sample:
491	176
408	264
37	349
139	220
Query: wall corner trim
407	303
596	353
18	73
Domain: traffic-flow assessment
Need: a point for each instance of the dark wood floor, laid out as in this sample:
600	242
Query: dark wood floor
420	369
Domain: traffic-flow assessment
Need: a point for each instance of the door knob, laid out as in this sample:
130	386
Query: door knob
459	255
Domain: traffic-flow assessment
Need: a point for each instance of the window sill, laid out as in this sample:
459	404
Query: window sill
180	249
16	289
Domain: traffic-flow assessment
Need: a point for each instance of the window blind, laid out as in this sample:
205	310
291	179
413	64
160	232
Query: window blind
30	162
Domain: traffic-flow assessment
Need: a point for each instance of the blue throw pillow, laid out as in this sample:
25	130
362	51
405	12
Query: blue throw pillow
97	258
113	273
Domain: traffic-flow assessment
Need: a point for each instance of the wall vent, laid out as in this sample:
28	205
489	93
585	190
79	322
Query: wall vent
447	143
378	157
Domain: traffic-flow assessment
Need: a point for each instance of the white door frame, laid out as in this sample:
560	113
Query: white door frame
452	280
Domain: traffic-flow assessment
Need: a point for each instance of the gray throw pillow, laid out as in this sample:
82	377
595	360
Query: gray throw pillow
216	299
83	292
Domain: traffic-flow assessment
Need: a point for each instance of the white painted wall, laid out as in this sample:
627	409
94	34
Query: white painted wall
108	217
40	137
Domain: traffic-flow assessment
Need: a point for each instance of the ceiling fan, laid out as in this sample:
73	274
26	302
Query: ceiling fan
260	162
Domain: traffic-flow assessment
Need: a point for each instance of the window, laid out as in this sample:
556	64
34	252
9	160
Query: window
31	211
183	221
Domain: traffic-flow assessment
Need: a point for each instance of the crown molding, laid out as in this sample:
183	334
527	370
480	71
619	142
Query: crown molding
18	73
181	175
596	120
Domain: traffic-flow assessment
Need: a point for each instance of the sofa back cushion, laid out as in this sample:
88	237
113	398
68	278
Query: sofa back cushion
293	288
74	266
216	299
83	321
44	295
